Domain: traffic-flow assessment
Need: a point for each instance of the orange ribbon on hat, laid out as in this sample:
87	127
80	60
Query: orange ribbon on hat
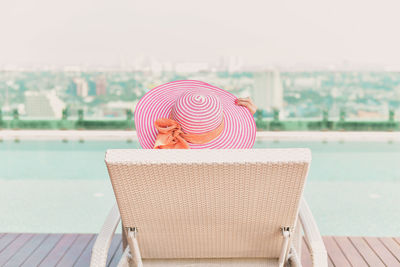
171	136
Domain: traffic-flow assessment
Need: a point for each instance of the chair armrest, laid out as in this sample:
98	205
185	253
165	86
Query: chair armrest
103	240
312	235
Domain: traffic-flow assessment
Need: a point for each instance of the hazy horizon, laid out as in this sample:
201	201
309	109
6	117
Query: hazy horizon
356	34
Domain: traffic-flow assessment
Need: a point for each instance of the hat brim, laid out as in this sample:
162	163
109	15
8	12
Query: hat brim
239	125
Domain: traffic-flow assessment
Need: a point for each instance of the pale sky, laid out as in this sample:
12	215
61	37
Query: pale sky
106	32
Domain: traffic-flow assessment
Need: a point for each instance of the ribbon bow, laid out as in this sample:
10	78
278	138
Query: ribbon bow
171	136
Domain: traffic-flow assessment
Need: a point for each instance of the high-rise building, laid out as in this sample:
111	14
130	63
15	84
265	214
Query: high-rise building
268	90
82	88
92	88
101	85
43	104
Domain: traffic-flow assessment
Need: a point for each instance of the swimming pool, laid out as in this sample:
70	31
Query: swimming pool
55	186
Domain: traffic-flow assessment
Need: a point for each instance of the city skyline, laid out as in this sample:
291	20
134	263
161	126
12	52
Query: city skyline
361	95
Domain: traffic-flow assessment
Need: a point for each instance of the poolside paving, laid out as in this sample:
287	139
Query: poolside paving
75	249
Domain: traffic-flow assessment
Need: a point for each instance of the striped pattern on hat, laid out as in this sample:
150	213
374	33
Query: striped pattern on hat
197	111
198	107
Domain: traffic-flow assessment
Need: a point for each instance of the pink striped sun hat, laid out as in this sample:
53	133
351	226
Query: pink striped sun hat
199	108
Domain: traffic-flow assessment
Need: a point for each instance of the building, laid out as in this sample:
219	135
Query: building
43	104
268	91
92	88
101	86
82	87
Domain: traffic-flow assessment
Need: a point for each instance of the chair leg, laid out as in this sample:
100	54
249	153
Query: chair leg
134	246
124	240
293	258
285	245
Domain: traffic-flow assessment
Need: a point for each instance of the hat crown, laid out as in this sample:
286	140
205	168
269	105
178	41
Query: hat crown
197	111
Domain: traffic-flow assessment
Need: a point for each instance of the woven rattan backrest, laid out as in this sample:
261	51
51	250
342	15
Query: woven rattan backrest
208	203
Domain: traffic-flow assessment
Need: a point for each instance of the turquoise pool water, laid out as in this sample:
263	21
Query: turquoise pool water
353	188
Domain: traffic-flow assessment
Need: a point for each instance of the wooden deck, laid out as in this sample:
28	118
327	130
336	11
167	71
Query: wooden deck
74	250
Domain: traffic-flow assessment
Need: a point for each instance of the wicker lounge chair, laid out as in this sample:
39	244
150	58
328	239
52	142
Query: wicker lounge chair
210	208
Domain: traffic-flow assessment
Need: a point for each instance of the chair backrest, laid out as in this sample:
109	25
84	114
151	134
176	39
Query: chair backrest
208	203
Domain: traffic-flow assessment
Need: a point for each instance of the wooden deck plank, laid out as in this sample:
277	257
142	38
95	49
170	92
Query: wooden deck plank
364	249
76	249
59	250
392	246
84	258
383	253
41	252
19	257
350	252
330	263
306	260
13	247
116	257
6	240
335	253
113	247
